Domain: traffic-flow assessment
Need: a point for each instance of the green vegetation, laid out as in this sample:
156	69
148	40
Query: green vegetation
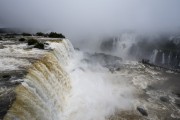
22	39
39	45
40	34
56	35
36	43
32	42
51	35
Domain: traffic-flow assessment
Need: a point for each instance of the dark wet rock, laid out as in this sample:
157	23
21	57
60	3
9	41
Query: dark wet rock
6	76
77	49
46	43
164	99
177	102
8	81
145	61
149	87
1	46
178	105
118	69
142	111
6	101
177	93
13	74
22	39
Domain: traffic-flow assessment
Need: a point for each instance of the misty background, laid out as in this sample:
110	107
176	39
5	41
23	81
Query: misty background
82	18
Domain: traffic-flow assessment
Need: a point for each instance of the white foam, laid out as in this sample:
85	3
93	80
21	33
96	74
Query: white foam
96	93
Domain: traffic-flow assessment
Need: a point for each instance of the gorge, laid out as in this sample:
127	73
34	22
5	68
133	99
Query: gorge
63	83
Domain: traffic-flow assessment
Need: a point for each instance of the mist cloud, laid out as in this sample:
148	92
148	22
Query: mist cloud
88	17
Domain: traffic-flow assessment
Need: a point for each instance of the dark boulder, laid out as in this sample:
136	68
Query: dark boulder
176	92
118	69
142	111
164	99
177	102
1	46
22	39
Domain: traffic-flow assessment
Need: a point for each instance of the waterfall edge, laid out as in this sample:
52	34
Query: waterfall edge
40	92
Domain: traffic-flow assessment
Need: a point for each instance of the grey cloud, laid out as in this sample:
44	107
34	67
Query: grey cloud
77	17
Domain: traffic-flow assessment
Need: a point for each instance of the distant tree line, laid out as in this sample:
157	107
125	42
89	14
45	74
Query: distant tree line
50	35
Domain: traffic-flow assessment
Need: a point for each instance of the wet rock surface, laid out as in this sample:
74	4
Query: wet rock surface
177	102
6	100
164	99
142	111
8	81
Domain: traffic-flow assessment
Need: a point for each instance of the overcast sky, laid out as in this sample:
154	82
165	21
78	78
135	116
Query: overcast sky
75	17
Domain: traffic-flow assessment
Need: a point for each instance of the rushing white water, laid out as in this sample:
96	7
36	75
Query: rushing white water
119	45
63	85
153	57
123	45
59	86
96	92
42	94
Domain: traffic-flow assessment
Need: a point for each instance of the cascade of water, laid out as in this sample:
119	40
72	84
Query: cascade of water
63	50
42	94
163	58
59	88
153	58
124	43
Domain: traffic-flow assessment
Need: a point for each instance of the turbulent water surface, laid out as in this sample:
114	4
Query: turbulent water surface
68	84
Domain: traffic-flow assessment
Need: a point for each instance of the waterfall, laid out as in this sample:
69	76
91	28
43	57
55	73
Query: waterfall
43	92
61	85
153	58
123	45
163	58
